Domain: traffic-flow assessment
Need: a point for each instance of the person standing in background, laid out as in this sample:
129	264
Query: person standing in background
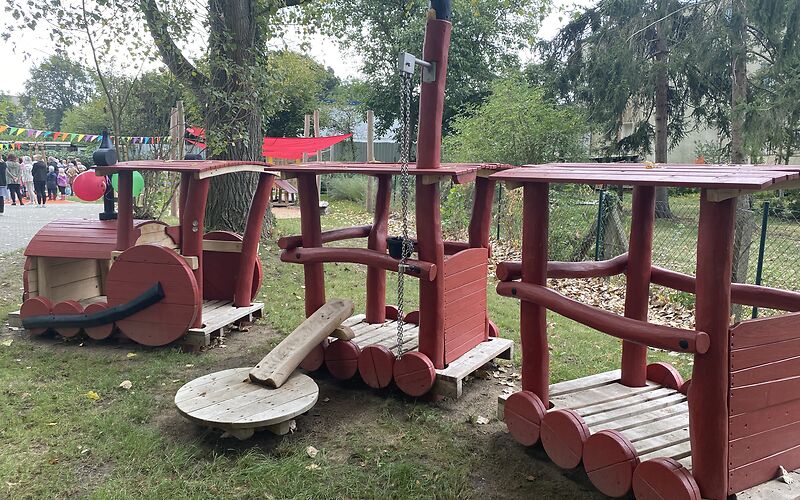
72	172
14	178
62	181
3	183
27	177
52	183
39	172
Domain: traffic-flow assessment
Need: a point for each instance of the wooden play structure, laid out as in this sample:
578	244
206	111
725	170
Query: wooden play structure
451	335
727	429
154	283
241	401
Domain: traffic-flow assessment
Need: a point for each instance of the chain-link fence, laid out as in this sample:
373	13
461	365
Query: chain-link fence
589	224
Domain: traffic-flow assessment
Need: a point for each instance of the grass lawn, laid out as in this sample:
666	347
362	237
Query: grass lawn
68	430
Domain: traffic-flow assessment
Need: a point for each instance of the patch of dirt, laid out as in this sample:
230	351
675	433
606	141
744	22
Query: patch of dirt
286	212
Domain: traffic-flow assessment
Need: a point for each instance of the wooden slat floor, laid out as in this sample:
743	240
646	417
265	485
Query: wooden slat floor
384	334
655	419
220	313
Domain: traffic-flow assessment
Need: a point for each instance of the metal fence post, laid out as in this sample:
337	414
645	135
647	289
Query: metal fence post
598	237
761	246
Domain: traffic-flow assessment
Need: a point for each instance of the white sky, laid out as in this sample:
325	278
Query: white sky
15	66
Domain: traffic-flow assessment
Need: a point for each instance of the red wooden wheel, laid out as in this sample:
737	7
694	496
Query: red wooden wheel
685	387
315	359
135	271
36	306
414	373
610	459
376	366
391	312
102	331
523	414
341	358
493	330
220	269
665	375
412	317
664	478
68	308
563	435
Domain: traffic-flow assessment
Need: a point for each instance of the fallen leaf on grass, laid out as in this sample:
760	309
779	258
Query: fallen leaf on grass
126	384
52	424
93	396
188	365
131	355
7	342
784	475
312	466
481	420
530	478
312	452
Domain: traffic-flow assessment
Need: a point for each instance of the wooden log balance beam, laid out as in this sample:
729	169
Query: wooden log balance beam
640	332
417	268
511	271
277	366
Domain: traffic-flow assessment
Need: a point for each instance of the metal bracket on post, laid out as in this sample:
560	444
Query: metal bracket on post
407	62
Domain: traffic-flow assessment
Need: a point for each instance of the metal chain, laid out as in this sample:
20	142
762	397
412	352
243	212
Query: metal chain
405	189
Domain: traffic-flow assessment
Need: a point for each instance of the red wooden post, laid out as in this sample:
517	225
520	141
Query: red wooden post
192	231
429	230
533	318
481	213
252	234
637	289
376	277
311	230
186	178
125	209
708	397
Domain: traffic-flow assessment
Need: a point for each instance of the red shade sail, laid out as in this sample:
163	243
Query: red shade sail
292	148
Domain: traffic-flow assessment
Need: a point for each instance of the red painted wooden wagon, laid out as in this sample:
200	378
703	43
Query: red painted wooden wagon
734	423
155	283
453	335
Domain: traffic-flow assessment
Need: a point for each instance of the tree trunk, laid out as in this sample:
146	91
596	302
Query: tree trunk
745	218
233	114
662	112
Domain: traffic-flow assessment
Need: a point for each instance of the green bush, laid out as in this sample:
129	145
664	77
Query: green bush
347	188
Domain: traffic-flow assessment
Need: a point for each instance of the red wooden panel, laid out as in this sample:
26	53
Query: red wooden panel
760	354
465	260
755	447
761	331
764	373
457	345
455	320
470	275
763	470
763	419
465	299
221	269
82	238
756	396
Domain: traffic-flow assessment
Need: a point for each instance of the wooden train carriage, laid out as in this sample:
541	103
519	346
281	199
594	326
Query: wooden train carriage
453	335
727	429
84	268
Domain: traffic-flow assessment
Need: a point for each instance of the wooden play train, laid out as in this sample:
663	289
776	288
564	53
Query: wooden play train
145	280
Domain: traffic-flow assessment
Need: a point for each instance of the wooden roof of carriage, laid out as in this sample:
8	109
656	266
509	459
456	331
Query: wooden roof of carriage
460	173
199	168
735	177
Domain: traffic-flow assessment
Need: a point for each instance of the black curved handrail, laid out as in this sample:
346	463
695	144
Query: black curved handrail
149	297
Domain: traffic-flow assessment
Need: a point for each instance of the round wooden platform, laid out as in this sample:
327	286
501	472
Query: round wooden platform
228	400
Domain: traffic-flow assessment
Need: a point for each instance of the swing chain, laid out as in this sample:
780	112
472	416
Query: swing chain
405	188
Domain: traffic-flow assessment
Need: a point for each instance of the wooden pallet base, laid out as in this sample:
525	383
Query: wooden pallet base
449	381
654	419
218	317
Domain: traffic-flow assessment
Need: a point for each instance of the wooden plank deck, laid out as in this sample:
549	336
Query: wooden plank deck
655	420
449	380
